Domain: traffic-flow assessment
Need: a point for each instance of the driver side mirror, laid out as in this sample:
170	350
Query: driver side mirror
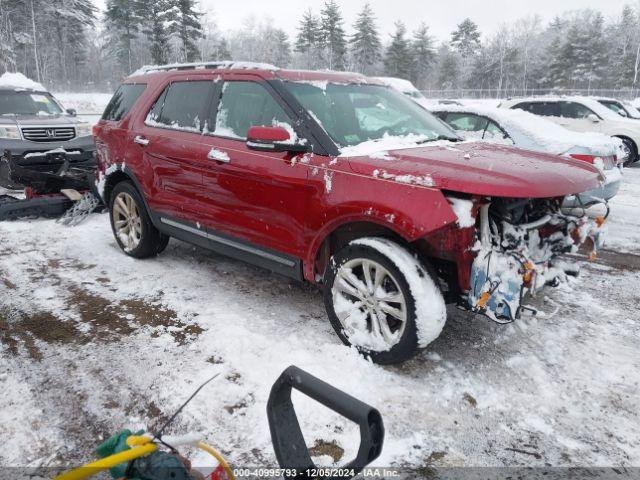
273	139
593	117
72	112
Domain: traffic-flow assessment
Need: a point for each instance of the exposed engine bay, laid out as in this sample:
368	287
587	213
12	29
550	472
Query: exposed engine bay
519	242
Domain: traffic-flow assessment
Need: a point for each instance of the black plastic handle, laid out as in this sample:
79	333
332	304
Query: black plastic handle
288	442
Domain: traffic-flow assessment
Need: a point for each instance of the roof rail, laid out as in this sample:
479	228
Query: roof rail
226	64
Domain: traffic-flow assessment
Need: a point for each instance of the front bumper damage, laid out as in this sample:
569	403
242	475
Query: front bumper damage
516	261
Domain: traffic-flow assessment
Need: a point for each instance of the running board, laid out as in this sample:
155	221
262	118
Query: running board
231	246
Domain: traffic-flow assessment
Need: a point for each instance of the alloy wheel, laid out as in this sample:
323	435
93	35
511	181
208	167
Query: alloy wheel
369	304
127	221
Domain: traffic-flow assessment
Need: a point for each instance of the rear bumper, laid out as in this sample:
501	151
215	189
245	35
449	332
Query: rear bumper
606	191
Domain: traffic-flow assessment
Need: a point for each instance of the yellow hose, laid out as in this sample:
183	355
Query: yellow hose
141	447
108	462
220	458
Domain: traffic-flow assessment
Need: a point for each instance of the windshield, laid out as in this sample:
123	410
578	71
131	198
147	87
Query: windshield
354	113
614	107
28	103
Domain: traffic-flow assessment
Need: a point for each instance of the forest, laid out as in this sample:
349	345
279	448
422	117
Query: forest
69	45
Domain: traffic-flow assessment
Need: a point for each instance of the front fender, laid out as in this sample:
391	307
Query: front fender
411	211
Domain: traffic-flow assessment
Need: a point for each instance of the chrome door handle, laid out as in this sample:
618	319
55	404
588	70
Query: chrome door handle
218	156
140	140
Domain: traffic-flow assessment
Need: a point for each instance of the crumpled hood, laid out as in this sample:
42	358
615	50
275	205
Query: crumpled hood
482	169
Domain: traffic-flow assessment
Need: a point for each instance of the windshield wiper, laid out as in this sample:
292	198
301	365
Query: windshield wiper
439	137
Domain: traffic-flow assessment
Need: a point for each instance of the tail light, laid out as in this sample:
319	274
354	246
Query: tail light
584	158
95	130
607	162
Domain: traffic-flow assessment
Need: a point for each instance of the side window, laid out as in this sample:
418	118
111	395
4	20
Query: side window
527	107
467	122
494	132
574	110
545	109
244	105
182	106
122	101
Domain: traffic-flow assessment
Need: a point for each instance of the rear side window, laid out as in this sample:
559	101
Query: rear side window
467	122
574	110
244	105
546	109
122	101
182	106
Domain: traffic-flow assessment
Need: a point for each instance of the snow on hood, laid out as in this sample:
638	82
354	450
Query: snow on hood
380	148
534	132
18	81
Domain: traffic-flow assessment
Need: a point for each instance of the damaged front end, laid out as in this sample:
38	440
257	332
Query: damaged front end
519	241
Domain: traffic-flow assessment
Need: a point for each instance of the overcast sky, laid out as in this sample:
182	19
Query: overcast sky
440	15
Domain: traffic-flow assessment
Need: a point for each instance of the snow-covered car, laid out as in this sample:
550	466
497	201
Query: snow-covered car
530	132
583	114
622	108
36	129
406	88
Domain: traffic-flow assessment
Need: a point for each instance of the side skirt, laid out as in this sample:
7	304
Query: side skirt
230	246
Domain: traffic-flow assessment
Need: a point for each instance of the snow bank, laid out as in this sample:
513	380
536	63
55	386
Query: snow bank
533	132
85	103
18	81
431	311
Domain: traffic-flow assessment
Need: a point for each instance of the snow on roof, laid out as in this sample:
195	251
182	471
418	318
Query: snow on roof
227	65
405	86
17	81
537	133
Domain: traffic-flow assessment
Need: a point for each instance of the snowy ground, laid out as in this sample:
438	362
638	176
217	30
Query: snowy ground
93	341
89	106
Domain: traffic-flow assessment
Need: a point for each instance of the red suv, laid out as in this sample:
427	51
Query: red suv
335	179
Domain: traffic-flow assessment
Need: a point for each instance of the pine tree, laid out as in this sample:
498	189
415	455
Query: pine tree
554	57
155	15
398	61
332	36
308	39
423	56
466	38
282	49
448	68
365	43
222	51
625	49
123	21
184	21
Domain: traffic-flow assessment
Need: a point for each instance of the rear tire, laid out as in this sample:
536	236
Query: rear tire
378	312
131	224
633	151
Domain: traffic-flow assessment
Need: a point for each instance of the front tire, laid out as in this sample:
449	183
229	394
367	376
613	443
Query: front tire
381	299
131	225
